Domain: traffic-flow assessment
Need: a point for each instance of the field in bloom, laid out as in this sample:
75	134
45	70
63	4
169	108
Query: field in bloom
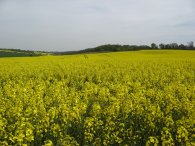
129	98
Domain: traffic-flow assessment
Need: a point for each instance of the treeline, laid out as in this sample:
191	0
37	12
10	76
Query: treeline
99	49
119	48
106	48
16	50
189	46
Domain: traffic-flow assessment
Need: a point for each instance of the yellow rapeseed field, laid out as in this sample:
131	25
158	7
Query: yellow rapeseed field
128	98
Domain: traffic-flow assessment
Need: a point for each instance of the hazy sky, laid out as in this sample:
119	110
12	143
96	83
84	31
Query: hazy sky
61	25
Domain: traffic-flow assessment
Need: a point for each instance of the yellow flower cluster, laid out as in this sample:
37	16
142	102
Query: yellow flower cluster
128	98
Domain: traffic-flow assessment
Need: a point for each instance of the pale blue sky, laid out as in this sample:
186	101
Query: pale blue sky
65	25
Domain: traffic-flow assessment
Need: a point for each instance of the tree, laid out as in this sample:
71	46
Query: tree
174	46
154	46
161	46
191	45
181	46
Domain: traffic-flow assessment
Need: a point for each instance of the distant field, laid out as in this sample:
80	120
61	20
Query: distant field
19	53
125	98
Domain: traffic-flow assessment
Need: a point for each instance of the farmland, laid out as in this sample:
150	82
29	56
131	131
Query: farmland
123	98
20	53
